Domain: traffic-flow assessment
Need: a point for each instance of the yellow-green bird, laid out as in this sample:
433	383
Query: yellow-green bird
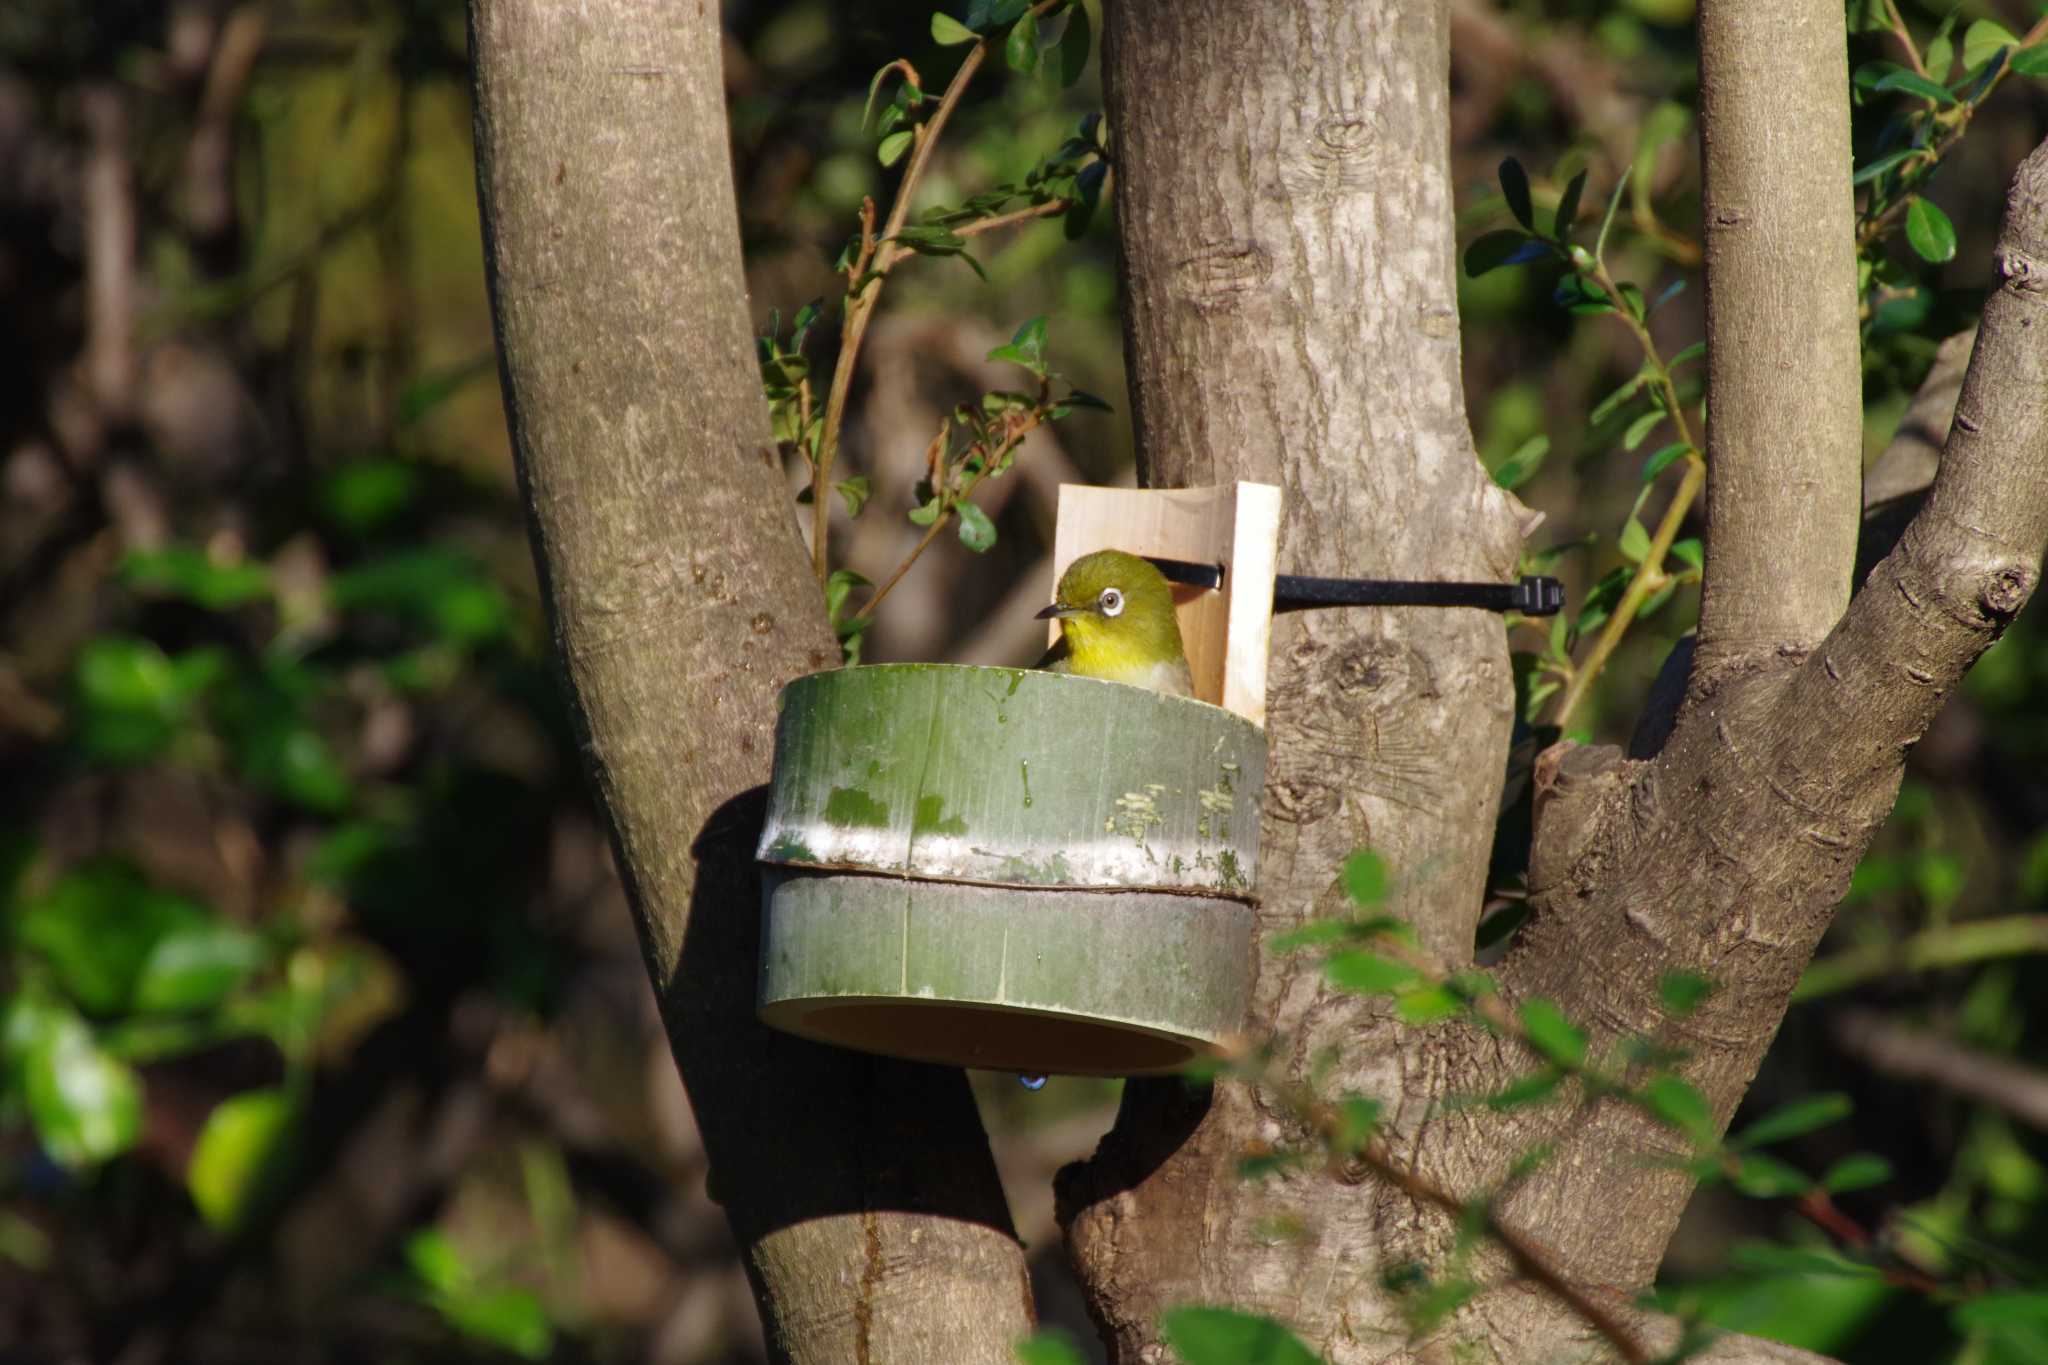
1116	622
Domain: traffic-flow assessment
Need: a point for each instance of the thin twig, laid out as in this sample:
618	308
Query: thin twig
860	303
946	513
1949	945
1905	37
1051	208
1529	1257
1650	574
885	252
1531	1260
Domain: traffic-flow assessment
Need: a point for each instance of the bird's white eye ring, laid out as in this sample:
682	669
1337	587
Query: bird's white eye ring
1111	602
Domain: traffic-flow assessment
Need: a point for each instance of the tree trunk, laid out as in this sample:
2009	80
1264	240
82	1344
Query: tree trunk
1286	229
1283	195
861	1190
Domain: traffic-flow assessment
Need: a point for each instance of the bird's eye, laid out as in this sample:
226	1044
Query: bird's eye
1111	602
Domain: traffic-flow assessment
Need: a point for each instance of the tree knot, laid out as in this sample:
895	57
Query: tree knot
2021	270
2005	592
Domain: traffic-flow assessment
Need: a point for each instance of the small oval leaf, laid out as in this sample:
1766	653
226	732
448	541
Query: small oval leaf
1930	231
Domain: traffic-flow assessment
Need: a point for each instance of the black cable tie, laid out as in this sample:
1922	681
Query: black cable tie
1532	595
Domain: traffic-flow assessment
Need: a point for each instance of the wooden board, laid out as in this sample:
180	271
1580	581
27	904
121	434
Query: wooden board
1226	632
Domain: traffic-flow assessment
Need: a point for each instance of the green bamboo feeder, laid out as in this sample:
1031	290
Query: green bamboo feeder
1002	868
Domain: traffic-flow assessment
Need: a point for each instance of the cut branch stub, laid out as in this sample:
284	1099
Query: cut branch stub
1004	868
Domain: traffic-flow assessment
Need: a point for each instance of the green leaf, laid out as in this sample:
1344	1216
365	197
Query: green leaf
1049	1346
1857	1171
1902	311
984	16
265	716
890	149
1641	427
238	1155
507	1316
1322	933
1690	552
1553	1035
1568	207
856	491
1663	459
1367	973
194	967
1913	83
189	573
1766	1177
1223	1336
1072	53
867	112
363	496
1683	992
1524	1091
1087	193
132	699
2031	61
1514	185
1771	1259
1021	49
1690	353
1581	299
926	512
1492	250
1678	1104
1077	399
1365	878
1026	347
445	591
1930	231
837	586
97	928
950	32
1429	1005
2002	1307
1614	401
1984	40
1518	468
1788	1121
977	532
1358	1118
1872	170
86	1105
1635	541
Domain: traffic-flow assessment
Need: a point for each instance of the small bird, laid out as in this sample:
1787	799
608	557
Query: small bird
1116	622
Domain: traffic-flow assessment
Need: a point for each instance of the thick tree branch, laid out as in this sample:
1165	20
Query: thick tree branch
1784	374
862	1191
1897	481
1726	854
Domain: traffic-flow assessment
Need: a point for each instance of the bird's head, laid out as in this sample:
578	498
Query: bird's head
1116	607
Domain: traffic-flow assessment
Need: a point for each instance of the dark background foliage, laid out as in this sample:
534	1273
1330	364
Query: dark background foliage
325	1035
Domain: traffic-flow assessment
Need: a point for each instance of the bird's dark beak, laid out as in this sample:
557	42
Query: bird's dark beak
1057	612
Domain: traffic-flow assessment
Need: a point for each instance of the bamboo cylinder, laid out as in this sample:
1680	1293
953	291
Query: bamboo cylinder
1007	868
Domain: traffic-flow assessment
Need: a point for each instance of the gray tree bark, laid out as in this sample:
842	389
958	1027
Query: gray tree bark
1288	252
861	1190
1282	185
